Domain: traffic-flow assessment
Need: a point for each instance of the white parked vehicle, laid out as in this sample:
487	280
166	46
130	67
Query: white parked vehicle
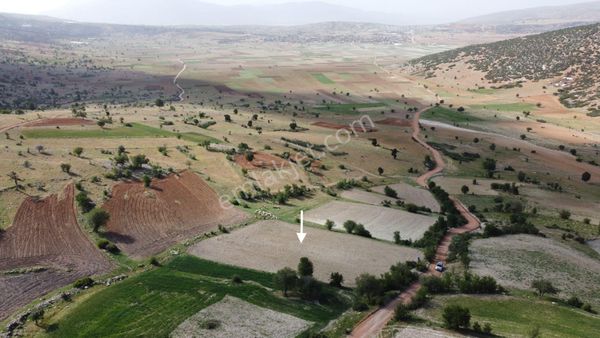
439	266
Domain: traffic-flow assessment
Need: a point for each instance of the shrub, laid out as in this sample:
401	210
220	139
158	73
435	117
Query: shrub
543	286
336	279
305	267
210	324
97	218
402	313
154	261
565	214
236	279
487	328
329	224
575	302
456	317
83	283
390	192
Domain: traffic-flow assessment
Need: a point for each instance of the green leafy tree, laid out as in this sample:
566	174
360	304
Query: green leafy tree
456	317
305	267
98	218
286	279
78	151
369	287
336	279
543	287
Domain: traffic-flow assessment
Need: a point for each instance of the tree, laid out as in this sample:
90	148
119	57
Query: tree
98	218
336	279
401	313
349	225
390	192
521	176
249	156
159	103
101	124
78	151
543	287
309	288
227	118
380	170
397	238
564	214
65	167
586	176
15	178
489	164
305	267
394	153
464	189
456	316
147	181
293	126
286	279
138	160
39	148
368	286
329	224
36	315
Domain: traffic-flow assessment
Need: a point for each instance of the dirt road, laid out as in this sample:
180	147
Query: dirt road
374	323
181	98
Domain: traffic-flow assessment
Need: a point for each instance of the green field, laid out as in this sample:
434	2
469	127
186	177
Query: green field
136	130
323	78
348	108
516	316
486	91
505	107
446	115
155	302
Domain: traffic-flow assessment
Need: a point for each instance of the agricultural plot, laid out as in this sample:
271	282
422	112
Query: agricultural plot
145	221
412	194
234	317
155	302
364	196
453	185
273	245
44	249
515	261
449	116
516	317
380	221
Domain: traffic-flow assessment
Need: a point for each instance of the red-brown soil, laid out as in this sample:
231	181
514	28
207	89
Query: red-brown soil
145	221
45	233
329	125
59	121
392	121
261	161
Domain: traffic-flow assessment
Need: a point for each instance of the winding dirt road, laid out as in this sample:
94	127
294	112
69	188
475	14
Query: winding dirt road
181	98
374	323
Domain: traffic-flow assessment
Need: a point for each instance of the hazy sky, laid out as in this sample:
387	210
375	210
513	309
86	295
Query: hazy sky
436	10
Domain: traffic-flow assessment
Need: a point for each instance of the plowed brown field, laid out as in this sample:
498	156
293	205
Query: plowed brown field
261	161
145	221
59	121
45	234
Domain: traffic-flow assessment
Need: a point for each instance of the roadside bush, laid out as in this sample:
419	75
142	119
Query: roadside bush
456	317
402	313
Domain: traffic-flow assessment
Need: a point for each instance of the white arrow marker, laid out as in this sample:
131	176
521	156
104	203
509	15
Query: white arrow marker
301	234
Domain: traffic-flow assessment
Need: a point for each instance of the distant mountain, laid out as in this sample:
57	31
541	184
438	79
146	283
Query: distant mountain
572	55
194	12
588	12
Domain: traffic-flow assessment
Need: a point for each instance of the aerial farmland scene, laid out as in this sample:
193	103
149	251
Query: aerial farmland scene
314	169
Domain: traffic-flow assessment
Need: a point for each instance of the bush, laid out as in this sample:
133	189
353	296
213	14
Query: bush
487	328
97	218
210	324
305	267
574	302
336	279
456	317
329	224
83	283
236	279
360	306
402	313
390	192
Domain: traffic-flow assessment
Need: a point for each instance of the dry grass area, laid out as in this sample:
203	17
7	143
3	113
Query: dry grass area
412	194
146	221
380	221
237	318
273	245
452	185
515	261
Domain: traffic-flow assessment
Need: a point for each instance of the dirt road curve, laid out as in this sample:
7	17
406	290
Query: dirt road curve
374	323
181	98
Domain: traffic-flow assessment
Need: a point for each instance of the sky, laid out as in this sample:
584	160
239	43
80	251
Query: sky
435	10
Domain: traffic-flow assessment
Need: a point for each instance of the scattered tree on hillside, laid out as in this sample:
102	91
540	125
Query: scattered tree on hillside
159	103
336	279
15	178
543	287
456	317
65	167
98	218
464	189
36	315
305	267
586	176
380	170
286	279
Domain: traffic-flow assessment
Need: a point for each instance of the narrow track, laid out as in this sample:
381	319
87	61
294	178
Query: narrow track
181	98
375	322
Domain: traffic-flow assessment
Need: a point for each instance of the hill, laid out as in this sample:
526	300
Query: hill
569	57
577	13
189	12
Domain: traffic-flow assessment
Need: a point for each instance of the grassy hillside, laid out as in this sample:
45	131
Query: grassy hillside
572	52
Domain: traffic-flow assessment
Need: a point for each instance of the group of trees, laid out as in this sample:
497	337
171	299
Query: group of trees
302	281
467	283
371	290
356	228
